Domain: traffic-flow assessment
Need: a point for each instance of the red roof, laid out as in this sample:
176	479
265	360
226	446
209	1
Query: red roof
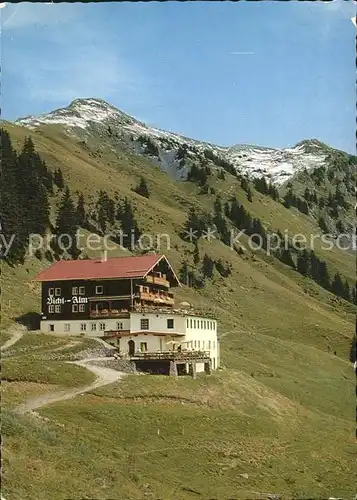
114	267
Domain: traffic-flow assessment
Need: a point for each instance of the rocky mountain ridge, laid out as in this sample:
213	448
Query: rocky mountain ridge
172	152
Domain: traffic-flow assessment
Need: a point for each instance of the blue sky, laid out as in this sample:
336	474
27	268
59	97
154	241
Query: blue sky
267	73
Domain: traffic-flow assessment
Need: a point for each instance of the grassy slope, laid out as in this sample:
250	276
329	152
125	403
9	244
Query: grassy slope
281	411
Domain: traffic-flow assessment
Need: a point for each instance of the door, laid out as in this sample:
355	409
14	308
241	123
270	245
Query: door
131	347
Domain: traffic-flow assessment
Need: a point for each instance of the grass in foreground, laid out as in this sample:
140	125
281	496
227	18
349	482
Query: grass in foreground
224	442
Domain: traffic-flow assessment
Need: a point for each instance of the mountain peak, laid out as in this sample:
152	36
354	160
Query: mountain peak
173	153
81	112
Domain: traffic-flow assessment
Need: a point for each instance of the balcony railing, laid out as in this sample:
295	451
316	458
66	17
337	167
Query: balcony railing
156	298
157	280
168	355
109	313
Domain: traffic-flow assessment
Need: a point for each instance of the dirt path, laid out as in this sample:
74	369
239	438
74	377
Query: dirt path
16	333
104	375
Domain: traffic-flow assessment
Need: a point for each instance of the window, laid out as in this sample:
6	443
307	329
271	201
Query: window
214	325
51	291
82	308
201	324
143	346
195	344
204	325
203	344
67	327
82	290
170	323
57	292
99	290
209	344
101	326
74	290
119	326
57	309
194	323
51	309
214	344
83	327
190	323
74	308
93	327
198	344
51	328
144	323
187	323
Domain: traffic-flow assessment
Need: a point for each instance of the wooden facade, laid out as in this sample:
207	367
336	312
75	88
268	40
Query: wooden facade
73	299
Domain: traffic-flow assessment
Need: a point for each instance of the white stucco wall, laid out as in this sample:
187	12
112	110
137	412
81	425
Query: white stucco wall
199	333
75	326
154	343
157	322
202	334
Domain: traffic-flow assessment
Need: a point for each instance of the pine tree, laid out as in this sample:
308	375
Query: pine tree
323	225
224	270
11	204
346	291
33	194
244	184
218	205
340	227
307	194
81	212
273	192
129	226
314	267
221	175
142	188
303	263
324	278
337	286
249	194
67	225
207	266
185	274
287	258
196	254
58	179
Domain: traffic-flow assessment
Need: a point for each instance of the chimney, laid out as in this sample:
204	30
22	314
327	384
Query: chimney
104	256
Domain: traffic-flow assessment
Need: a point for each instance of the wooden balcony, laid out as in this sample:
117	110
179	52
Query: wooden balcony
109	313
177	356
156	298
157	280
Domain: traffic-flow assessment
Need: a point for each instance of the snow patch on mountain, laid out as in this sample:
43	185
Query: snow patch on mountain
89	115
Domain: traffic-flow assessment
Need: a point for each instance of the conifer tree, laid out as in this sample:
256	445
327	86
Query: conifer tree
221	175
207	266
287	258
67	225
142	188
303	264
324	278
81	212
33	194
337	286
323	225
249	194
58	179
11	203
196	254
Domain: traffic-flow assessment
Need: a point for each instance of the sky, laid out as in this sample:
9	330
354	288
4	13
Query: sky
265	73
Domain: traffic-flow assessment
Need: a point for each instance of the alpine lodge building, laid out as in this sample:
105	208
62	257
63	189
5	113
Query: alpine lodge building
128	300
